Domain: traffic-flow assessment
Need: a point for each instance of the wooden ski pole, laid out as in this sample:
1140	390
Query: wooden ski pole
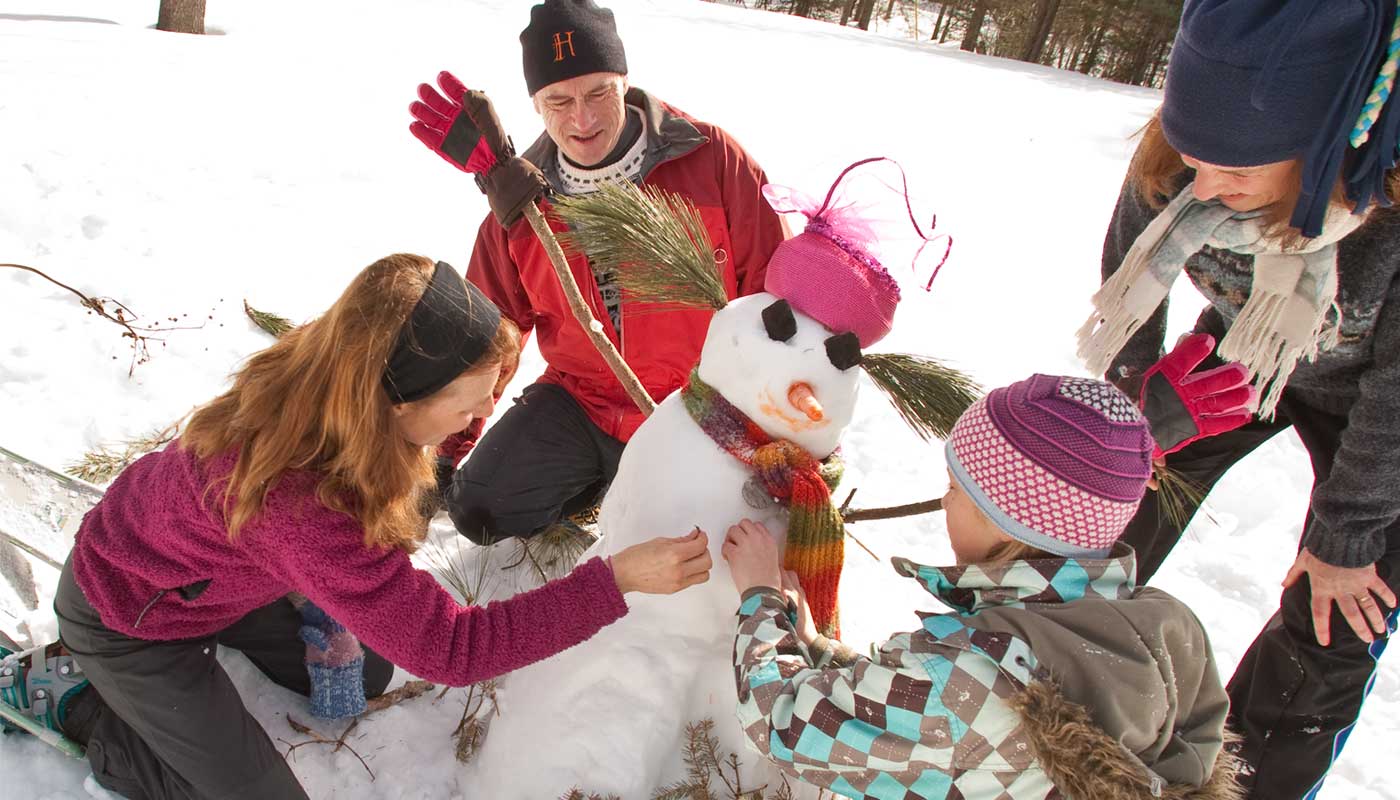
584	315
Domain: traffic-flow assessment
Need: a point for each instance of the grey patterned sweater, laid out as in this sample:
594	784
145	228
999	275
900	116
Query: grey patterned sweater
1358	379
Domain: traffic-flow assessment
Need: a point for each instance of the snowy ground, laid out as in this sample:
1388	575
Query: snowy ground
271	162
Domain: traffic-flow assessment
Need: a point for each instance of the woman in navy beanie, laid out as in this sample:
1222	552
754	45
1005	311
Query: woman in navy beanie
1266	178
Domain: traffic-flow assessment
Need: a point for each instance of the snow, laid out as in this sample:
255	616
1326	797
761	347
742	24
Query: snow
272	161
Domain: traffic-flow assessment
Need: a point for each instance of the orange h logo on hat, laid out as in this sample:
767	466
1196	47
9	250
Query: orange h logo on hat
562	40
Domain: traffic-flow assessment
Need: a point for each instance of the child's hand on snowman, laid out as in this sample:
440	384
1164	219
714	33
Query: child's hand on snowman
663	565
752	554
797	601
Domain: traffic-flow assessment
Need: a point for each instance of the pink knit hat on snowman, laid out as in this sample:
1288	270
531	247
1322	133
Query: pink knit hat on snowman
829	271
1058	463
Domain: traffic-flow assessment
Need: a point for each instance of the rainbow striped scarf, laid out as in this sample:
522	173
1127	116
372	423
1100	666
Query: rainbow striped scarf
816	535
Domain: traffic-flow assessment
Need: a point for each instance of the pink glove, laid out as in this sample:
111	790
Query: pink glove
1183	406
461	126
441	125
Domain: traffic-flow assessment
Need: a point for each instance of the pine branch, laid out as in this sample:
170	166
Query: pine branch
683	790
267	321
929	394
699	756
577	794
653	241
103	464
476	719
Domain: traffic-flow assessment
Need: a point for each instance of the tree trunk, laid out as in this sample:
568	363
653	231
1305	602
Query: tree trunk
1041	25
938	23
181	16
974	26
947	28
889	10
1091	58
867	11
802	8
846	12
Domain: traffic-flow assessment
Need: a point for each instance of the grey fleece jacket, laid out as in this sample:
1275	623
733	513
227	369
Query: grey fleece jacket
1358	379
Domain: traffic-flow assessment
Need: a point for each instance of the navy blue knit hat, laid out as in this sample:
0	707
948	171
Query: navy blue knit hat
1257	81
569	38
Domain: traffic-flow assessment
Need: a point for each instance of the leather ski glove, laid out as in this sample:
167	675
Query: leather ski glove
461	126
1183	406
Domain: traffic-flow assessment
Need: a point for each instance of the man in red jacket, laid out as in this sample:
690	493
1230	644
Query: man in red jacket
555	451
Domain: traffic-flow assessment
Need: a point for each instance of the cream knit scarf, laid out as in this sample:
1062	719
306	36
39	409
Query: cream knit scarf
1284	319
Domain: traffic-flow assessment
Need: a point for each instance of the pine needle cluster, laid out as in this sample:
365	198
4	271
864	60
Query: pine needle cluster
929	394
468	578
577	794
1178	496
267	321
556	550
103	464
652	240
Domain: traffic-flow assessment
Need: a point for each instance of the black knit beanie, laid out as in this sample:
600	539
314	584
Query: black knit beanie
569	38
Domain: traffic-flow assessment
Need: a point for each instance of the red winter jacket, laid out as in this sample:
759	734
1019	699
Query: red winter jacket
691	158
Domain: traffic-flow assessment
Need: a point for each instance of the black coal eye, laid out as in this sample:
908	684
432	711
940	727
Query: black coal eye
843	351
779	321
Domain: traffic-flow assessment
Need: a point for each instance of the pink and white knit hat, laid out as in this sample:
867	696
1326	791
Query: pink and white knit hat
1059	463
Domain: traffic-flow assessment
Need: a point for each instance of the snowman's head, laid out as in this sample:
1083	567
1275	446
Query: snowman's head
796	380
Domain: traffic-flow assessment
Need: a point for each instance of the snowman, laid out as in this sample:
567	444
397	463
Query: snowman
751	435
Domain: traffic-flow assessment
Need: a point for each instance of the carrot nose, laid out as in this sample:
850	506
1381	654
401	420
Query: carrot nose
802	399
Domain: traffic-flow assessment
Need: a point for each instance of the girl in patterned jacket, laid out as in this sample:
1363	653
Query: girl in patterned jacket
1053	676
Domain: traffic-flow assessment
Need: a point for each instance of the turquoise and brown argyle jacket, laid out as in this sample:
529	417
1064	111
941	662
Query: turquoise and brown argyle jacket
927	715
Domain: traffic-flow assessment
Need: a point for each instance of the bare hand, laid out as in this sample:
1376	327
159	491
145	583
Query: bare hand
752	554
806	625
1350	588
1153	482
663	565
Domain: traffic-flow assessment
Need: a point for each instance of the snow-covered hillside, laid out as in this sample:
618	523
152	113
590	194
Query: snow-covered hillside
270	162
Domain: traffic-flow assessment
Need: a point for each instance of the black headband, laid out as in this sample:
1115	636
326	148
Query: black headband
452	324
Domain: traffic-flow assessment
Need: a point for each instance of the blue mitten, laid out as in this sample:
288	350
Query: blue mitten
336	664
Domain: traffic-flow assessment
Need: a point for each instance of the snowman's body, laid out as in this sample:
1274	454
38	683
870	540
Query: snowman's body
609	716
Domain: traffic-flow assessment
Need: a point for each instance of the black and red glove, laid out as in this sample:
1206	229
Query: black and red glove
1183	406
461	126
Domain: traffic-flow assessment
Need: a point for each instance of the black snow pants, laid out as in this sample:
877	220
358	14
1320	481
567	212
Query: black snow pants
543	460
163	720
1293	701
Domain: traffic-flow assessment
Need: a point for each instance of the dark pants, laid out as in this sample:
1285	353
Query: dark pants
1293	701
163	720
543	460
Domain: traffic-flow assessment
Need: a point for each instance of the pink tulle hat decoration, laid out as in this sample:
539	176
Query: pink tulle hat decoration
829	271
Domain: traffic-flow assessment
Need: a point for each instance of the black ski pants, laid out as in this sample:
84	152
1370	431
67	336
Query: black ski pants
163	720
1293	701
543	460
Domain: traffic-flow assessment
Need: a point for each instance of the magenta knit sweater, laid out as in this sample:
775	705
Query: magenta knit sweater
154	530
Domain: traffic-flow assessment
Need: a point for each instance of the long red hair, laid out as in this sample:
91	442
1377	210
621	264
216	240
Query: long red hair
314	401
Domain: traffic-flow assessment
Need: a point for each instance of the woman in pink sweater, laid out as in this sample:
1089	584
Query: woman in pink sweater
305	477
